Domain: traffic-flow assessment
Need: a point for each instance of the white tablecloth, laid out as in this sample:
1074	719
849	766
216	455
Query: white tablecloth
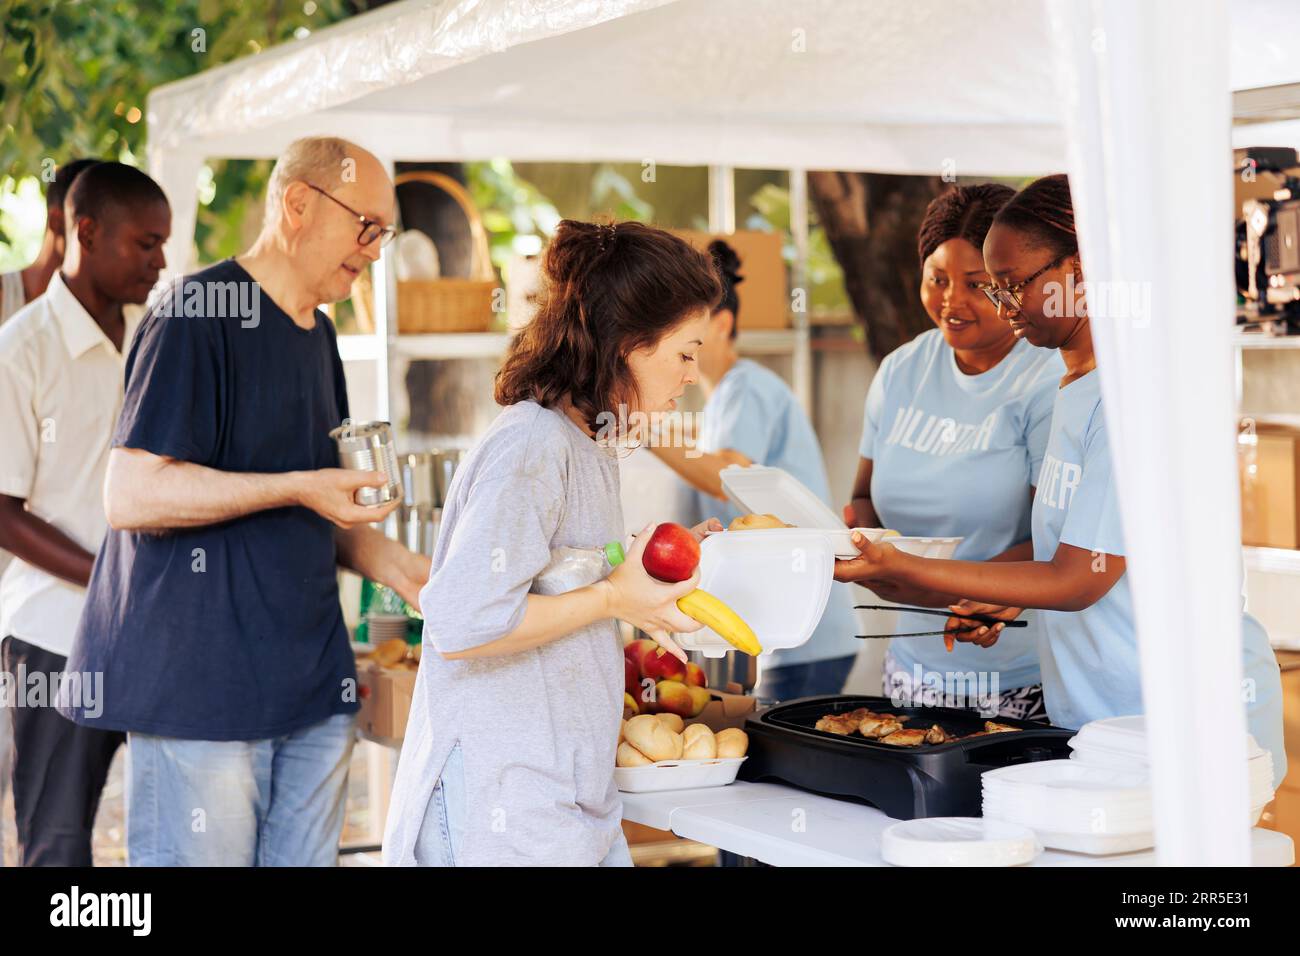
784	826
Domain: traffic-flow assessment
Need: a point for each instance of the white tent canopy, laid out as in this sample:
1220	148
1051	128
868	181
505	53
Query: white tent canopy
923	87
759	83
1131	99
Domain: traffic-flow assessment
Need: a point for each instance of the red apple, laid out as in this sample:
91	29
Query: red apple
660	665
672	554
695	675
631	676
636	652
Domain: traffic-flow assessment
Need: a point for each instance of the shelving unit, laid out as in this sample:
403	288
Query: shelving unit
1264	560
384	348
1257	340
1271	560
475	345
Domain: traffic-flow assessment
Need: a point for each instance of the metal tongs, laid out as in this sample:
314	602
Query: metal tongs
979	619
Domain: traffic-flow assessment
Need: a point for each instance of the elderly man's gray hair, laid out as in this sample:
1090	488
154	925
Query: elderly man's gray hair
319	160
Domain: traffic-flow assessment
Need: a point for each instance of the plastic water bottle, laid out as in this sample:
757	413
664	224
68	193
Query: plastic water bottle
573	568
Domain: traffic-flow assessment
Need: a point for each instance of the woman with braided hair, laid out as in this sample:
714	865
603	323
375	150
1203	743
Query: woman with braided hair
954	432
1089	653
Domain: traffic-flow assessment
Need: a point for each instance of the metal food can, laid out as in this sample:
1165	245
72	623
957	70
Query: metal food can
369	447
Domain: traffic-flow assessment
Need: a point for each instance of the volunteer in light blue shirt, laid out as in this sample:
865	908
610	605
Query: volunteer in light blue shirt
953	435
752	416
1088	647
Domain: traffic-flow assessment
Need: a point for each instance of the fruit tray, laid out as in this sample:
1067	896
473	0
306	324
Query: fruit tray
678	775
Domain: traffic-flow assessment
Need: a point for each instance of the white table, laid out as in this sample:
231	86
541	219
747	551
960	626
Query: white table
784	826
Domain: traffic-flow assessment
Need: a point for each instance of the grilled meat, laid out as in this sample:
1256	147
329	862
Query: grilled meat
873	728
905	738
936	735
842	724
996	728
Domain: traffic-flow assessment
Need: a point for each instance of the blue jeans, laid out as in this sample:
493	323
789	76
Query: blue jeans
273	802
443	831
805	680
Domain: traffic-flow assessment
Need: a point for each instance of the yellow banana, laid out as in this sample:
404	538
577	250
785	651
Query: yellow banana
711	612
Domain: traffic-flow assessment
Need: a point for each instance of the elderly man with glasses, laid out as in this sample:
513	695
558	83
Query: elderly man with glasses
213	609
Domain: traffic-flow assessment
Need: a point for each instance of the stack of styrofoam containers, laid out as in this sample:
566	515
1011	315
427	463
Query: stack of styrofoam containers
1120	743
1071	806
1098	801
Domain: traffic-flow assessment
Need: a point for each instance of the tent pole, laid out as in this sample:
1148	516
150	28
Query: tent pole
722	199
801	357
385	285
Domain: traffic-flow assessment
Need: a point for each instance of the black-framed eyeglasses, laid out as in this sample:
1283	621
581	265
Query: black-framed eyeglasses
370	230
1012	297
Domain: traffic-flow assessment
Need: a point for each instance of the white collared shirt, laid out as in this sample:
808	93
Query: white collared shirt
12	294
12	298
61	386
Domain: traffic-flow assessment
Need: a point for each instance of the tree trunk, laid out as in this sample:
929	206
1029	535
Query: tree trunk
871	221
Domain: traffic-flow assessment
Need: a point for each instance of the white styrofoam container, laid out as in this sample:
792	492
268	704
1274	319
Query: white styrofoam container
678	775
1127	735
777	580
1067	777
958	841
1072	805
1096	844
1120	743
1112	822
762	489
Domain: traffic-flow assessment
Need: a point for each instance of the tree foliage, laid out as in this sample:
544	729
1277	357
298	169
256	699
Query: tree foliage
75	74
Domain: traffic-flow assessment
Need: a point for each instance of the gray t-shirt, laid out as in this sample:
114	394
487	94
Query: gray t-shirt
537	730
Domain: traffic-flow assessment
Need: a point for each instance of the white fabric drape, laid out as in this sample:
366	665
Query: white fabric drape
1147	113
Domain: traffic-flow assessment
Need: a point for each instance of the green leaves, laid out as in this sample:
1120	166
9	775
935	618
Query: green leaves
74	70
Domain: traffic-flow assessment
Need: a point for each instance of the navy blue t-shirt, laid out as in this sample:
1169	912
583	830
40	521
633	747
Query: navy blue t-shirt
230	631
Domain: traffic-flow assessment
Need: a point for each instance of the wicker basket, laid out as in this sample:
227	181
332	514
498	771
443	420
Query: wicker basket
440	305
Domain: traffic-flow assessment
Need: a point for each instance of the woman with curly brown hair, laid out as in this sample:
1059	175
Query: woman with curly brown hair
510	747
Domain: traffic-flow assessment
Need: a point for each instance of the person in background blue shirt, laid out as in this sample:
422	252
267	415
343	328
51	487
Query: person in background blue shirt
751	416
953	436
1089	649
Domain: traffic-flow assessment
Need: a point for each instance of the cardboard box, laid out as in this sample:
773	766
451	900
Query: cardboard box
1283	814
1269	466
725	710
385	695
764	296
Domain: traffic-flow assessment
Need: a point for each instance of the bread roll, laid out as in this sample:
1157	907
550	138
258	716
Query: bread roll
389	653
732	742
672	722
700	744
756	522
679	745
648	734
629	756
622	729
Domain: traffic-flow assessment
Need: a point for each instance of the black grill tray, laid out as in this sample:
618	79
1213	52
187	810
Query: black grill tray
933	780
